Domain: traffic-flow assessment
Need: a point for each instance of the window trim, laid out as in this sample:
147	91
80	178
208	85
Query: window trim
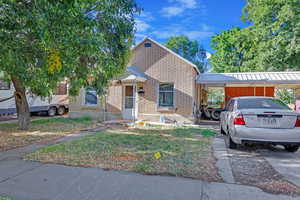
84	102
158	94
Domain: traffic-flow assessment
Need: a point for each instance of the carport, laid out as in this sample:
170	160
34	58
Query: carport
246	84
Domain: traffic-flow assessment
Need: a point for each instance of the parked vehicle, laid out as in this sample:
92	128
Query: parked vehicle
260	119
57	104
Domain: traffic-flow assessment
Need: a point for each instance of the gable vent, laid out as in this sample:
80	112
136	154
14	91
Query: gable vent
147	44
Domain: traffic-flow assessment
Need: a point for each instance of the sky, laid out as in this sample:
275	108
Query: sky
197	19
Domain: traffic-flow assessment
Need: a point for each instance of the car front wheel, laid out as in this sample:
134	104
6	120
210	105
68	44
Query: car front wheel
291	148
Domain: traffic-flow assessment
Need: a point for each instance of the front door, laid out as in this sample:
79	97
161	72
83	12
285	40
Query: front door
129	102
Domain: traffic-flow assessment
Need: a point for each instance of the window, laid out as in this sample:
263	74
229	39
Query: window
231	106
61	89
166	95
129	97
147	45
91	96
262	103
4	85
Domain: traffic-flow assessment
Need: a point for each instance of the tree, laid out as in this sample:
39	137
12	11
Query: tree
189	49
233	51
45	41
270	43
276	25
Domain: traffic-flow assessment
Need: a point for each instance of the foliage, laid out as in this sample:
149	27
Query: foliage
233	51
286	95
43	42
189	49
270	43
215	97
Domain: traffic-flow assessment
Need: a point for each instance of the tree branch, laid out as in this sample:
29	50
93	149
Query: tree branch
6	99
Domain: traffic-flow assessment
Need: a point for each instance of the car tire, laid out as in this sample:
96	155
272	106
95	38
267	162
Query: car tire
51	111
291	148
61	110
230	143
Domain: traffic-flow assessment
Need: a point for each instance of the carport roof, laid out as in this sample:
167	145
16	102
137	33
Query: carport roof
250	77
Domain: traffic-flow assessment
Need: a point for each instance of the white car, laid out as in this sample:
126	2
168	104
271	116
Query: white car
260	120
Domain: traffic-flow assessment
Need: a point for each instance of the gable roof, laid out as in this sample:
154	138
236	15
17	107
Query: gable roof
168	50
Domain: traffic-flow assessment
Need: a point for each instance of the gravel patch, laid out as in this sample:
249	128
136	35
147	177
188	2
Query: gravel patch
250	168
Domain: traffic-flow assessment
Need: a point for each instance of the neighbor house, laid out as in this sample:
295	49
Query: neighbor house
159	85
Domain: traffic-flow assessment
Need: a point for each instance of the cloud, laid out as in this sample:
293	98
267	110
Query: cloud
147	16
202	33
179	7
141	25
186	3
171	11
208	55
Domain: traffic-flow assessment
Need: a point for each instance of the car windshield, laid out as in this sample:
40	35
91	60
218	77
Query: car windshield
261	103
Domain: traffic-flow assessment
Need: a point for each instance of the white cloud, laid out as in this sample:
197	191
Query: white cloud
147	16
208	55
186	3
171	11
141	25
179	7
176	30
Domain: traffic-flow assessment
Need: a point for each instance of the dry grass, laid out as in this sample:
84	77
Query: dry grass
41	131
185	152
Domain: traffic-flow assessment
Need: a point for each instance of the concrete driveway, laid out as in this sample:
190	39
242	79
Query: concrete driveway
286	163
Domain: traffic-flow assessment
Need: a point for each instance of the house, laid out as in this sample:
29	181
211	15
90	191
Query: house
159	85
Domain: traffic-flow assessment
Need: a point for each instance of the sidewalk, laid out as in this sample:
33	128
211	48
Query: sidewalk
27	180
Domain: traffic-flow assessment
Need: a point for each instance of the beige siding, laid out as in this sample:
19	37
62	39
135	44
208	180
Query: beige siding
77	104
163	67
114	99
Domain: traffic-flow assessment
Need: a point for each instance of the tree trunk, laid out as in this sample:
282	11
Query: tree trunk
21	104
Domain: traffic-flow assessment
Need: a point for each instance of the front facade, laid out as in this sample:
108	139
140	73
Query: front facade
159	85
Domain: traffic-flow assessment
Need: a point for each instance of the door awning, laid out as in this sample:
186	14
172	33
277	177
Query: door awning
133	74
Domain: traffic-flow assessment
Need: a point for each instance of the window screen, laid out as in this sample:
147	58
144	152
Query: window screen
166	95
91	96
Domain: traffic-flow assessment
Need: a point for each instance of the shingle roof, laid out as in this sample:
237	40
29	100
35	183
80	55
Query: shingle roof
250	77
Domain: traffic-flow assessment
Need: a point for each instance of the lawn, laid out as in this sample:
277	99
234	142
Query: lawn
5	198
41	131
184	152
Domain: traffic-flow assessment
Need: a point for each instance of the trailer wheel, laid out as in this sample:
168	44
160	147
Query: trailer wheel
52	111
207	113
215	115
61	110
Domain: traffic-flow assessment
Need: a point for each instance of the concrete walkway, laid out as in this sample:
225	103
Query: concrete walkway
26	180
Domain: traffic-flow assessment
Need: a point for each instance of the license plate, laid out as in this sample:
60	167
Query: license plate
269	121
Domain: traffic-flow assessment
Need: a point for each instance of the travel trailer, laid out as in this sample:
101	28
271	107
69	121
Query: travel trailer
57	104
